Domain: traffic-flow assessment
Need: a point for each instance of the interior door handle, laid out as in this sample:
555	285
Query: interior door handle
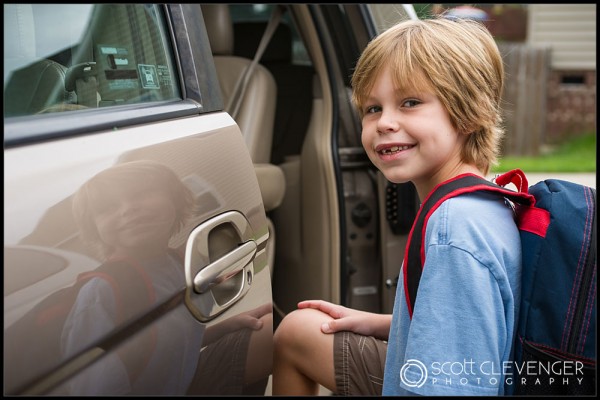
224	267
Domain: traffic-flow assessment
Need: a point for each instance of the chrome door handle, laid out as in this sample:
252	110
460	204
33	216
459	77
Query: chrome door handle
207	293
226	266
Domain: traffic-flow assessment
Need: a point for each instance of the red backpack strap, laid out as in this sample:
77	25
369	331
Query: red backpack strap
414	254
529	217
517	178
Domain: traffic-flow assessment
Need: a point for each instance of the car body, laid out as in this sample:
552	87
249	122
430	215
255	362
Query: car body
90	87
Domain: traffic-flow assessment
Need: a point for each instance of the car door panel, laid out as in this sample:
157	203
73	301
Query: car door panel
204	152
165	346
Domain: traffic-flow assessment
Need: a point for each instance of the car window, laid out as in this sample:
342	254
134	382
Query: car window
64	57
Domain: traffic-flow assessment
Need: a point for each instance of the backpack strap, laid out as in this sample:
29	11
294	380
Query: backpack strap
528	216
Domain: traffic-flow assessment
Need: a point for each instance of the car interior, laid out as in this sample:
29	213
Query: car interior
38	84
285	117
306	222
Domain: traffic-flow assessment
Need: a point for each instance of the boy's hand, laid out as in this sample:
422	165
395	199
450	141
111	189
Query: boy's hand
348	319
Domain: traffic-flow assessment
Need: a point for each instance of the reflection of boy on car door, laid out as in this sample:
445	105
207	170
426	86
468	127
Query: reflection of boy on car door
128	213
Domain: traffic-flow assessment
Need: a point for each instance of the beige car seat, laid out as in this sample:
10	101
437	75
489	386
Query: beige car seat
257	109
294	84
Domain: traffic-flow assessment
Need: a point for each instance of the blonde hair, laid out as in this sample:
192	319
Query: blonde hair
459	61
113	183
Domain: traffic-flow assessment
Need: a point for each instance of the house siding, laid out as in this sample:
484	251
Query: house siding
569	30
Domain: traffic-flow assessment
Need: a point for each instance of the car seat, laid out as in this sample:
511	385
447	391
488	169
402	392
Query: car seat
257	110
294	84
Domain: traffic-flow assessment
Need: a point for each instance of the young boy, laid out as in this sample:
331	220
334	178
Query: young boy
428	93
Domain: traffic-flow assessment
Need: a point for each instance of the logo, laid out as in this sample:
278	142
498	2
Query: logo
148	76
417	368
415	373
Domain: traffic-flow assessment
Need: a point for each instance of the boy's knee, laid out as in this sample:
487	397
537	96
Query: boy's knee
288	327
298	326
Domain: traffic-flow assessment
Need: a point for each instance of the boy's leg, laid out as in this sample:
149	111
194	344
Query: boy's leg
345	363
303	356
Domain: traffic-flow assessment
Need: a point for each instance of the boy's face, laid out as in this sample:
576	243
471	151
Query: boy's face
409	135
137	220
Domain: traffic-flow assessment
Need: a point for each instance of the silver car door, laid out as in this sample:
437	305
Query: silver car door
128	163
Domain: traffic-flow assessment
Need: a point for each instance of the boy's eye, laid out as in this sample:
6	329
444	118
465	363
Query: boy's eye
372	109
411	103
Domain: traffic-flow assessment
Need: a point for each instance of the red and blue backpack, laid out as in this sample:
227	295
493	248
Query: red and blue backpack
555	345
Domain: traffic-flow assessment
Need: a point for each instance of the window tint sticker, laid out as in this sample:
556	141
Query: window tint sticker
148	76
117	69
164	77
115	57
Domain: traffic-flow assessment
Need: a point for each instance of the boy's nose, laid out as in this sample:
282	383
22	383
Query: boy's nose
388	122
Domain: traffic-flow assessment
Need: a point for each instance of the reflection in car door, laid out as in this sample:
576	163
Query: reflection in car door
167	192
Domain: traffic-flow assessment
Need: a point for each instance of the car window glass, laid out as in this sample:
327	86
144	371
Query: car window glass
62	57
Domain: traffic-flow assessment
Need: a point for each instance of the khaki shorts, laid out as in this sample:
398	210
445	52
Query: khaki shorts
358	362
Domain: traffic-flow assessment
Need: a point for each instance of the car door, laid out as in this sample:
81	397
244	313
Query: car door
118	157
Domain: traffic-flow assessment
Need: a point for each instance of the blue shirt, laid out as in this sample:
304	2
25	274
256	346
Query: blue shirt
459	341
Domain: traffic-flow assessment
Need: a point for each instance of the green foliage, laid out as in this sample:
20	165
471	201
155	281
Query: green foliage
423	10
575	155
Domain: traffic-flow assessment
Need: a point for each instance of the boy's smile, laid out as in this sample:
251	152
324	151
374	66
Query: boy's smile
392	150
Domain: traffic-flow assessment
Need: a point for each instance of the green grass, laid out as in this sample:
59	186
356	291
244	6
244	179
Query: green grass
576	155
